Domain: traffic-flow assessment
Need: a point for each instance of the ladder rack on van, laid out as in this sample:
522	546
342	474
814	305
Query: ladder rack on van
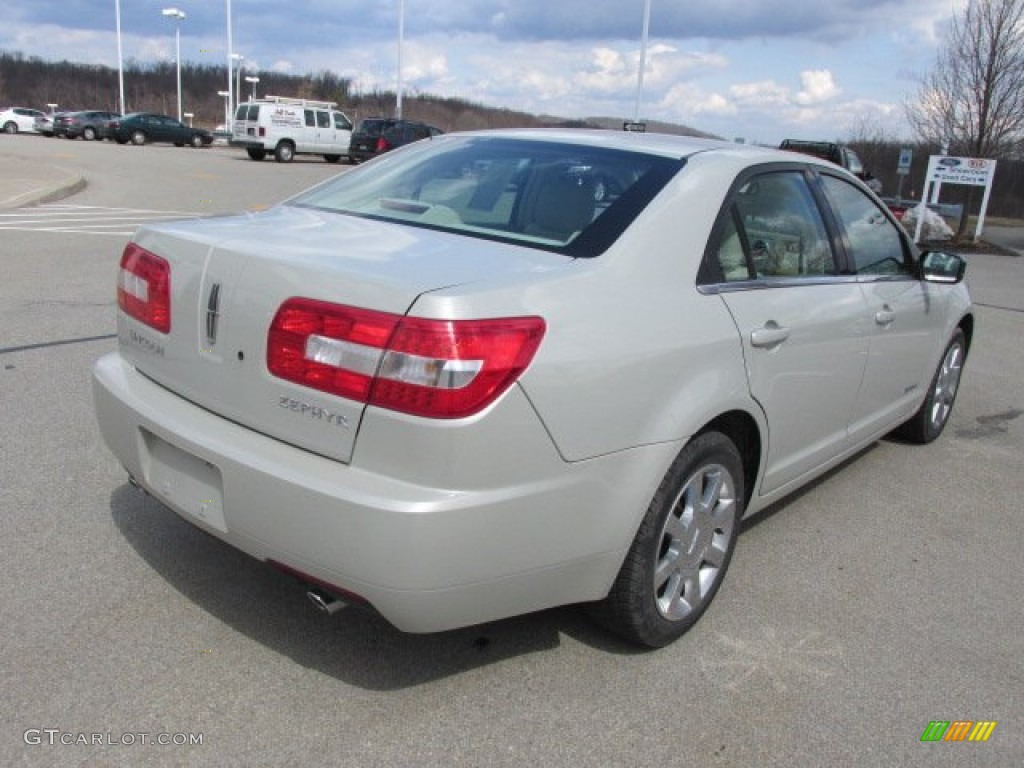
301	102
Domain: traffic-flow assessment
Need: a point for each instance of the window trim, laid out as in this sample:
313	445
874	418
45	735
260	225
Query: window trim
710	279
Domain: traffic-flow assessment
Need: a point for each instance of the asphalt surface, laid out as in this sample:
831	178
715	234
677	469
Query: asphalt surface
879	599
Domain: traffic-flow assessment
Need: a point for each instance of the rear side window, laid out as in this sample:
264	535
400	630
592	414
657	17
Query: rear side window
772	229
323	119
310	118
874	242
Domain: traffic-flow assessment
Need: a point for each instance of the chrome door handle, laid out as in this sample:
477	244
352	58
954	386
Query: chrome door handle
770	335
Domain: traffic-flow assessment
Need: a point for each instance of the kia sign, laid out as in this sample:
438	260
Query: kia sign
969	171
972	171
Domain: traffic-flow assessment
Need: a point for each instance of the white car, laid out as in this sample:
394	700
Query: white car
502	371
20	119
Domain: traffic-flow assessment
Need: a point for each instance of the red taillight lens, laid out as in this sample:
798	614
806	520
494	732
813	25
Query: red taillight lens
443	369
382	145
144	287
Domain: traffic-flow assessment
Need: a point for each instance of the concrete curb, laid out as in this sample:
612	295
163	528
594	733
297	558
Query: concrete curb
24	184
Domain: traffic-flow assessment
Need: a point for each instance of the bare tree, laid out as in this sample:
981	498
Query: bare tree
973	100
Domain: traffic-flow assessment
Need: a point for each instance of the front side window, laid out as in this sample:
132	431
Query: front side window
874	242
563	197
323	119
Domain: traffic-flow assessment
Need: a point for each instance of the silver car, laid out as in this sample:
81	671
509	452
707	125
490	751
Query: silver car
502	371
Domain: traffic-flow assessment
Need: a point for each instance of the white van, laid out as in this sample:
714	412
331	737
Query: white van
286	127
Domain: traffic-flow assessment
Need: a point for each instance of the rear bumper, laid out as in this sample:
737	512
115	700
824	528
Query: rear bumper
247	143
427	558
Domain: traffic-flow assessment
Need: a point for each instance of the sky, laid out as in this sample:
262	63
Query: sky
740	69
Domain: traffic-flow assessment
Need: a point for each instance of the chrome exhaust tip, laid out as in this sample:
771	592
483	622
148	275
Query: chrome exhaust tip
324	602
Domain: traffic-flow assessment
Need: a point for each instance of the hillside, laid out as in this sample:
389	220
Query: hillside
33	82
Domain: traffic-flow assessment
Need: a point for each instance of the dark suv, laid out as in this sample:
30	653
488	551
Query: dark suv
376	135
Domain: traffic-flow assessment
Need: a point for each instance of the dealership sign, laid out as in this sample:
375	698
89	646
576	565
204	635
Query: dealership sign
970	171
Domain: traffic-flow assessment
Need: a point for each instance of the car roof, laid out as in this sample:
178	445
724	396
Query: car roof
670	145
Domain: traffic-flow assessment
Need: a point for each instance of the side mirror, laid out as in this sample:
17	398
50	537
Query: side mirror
939	267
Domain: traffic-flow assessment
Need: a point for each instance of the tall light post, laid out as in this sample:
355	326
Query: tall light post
643	61
120	60
401	40
227	108
231	83
252	79
237	57
177	16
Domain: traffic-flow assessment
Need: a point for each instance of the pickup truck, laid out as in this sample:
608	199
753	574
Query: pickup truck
835	153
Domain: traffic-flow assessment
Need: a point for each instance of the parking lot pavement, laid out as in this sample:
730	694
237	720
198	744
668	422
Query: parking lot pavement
27	182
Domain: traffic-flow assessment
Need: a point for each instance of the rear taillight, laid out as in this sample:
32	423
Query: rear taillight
444	369
382	145
263	131
144	287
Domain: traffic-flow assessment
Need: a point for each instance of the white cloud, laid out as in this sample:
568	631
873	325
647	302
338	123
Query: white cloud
818	86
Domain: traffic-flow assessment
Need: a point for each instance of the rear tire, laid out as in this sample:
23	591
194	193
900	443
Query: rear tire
10	127
256	154
931	418
682	550
285	152
138	138
332	158
196	141
89	133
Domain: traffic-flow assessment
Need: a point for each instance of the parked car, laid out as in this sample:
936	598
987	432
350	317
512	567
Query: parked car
19	119
44	124
457	385
89	124
377	135
144	127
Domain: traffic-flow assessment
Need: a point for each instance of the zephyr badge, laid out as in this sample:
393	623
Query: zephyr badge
212	314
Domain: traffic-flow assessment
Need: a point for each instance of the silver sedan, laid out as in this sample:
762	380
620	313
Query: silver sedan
495	372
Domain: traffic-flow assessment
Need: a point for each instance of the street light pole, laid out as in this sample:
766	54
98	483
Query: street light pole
237	57
227	108
231	83
120	60
252	79
178	16
401	39
643	61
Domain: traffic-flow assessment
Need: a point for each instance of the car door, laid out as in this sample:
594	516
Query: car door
901	308
801	322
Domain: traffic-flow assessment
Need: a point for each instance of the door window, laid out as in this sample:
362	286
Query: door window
323	119
875	244
310	118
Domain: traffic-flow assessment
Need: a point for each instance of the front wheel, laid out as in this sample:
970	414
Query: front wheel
10	127
196	141
89	133
682	550
138	138
931	418
285	152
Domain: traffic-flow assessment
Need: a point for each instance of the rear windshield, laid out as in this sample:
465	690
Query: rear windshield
569	198
372	127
